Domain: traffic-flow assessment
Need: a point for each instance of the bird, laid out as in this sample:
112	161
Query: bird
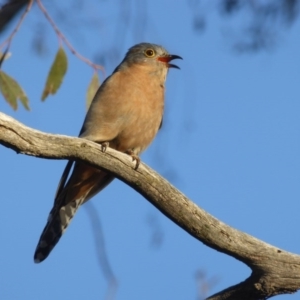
125	114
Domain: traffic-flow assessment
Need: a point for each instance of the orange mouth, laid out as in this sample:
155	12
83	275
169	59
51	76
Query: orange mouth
167	58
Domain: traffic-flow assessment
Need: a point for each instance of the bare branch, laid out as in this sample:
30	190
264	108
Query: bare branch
63	38
274	271
102	256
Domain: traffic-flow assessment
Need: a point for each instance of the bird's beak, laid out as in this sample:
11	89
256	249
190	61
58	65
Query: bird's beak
167	58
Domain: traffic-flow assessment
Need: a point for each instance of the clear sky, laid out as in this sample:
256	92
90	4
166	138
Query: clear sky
230	141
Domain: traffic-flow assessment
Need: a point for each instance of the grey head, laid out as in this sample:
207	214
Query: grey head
148	54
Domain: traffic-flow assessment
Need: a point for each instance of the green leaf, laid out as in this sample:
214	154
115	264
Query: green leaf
12	91
56	74
92	89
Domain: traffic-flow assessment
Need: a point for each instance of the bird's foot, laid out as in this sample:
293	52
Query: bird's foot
104	146
134	158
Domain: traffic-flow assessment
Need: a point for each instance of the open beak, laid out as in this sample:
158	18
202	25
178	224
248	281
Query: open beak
167	58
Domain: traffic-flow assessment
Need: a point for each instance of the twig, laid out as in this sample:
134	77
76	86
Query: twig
3	57
9	39
101	251
62	37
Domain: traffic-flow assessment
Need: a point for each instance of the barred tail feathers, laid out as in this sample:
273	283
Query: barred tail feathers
83	184
58	221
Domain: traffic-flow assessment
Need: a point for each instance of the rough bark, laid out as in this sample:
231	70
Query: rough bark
274	271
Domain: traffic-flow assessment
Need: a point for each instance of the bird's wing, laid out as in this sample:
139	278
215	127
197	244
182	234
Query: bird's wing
100	125
63	178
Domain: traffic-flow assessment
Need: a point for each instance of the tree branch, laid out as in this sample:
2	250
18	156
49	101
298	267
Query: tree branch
274	271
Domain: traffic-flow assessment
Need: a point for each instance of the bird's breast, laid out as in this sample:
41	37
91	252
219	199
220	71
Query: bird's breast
143	114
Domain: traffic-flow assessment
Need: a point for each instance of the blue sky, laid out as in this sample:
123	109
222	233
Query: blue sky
230	142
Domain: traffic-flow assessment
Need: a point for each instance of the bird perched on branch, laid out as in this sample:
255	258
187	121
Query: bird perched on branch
125	114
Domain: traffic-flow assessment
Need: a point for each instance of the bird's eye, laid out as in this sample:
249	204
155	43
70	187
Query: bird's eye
149	53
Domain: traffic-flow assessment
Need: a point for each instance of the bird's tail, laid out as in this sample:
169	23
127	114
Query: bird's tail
58	220
83	184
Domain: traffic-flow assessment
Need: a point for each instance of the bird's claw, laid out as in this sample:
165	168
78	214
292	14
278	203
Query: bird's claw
104	146
134	158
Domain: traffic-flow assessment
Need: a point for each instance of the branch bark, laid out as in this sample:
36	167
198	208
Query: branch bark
274	271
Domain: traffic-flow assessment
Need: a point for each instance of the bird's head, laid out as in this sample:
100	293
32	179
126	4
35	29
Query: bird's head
149	54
